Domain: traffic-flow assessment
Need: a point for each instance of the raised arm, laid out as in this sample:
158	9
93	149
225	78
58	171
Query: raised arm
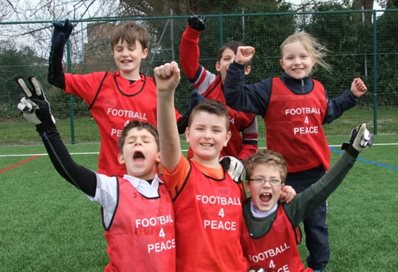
312	197
61	33
189	46
167	77
36	109
251	98
345	101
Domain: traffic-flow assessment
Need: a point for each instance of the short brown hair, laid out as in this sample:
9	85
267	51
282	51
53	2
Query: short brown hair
212	107
268	157
130	32
139	125
233	45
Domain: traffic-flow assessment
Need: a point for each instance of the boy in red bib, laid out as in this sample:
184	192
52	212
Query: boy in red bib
113	98
207	201
243	126
270	240
137	211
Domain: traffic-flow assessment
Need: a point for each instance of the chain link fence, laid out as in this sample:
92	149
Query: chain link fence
360	43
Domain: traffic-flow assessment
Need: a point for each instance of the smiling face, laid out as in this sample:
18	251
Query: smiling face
265	194
128	58
140	153
207	135
296	60
208	132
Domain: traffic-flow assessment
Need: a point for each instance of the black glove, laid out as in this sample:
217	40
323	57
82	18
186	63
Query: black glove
360	140
61	33
197	22
34	105
182	123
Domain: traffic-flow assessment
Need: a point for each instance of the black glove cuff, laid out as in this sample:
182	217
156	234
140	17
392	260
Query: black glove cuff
45	127
349	149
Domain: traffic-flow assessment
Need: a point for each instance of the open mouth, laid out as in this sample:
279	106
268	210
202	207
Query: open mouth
138	155
265	197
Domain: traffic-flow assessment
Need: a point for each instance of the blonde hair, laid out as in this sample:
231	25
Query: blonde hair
316	50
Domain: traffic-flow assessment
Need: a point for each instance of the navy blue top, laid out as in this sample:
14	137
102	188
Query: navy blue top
254	98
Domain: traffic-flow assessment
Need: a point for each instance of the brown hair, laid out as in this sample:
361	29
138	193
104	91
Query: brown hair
212	107
233	45
267	157
130	32
139	125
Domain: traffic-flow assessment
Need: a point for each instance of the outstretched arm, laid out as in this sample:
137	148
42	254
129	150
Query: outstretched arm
189	47
167	77
62	31
345	101
251	98
317	193
36	109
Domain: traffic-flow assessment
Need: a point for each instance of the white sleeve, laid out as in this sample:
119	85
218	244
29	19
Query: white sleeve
106	195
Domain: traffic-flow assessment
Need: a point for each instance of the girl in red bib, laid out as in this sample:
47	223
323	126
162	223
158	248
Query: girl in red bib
294	107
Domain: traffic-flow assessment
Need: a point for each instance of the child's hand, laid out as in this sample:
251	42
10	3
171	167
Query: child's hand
61	33
358	87
287	194
34	105
167	77
244	54
197	22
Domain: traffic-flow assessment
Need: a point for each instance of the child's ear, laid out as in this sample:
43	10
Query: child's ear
157	160
218	66
248	69
144	53
281	63
228	137
186	133
120	158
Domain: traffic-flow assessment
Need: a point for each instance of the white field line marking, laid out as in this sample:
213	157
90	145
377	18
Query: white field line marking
184	150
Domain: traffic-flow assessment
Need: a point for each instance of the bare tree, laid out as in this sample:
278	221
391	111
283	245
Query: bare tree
33	20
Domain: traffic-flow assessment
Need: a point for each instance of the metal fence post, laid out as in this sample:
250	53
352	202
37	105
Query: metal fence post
374	87
71	98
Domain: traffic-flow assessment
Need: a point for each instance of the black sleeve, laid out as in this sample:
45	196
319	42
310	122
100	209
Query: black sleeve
79	176
56	74
250	98
338	105
309	199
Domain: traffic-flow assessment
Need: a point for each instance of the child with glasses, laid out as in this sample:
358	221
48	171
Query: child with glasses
270	241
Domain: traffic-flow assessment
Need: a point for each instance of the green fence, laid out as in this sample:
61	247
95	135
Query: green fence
360	43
